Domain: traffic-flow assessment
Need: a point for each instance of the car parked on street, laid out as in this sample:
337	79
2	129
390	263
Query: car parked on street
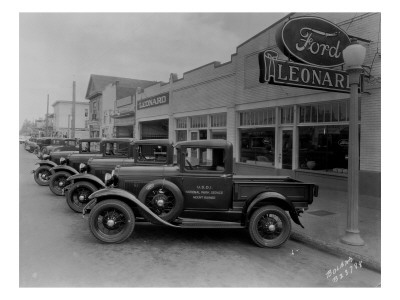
121	152
69	164
200	191
60	144
30	144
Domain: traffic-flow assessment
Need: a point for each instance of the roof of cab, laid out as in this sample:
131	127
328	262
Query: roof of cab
154	142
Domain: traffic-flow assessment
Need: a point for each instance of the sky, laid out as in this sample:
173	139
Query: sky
56	49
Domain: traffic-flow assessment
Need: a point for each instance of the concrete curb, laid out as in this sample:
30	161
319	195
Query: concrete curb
342	252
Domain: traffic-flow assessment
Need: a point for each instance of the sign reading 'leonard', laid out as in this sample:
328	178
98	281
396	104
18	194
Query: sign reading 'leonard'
315	45
153	101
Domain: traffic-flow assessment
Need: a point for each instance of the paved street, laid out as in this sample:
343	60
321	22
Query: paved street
58	250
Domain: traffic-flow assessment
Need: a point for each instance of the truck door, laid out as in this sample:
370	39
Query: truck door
205	184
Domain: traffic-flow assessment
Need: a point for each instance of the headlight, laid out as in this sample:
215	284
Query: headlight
108	179
63	161
46	156
82	167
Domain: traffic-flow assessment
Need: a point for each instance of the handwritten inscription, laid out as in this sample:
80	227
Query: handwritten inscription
343	270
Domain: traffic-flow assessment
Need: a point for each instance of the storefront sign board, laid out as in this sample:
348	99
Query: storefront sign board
153	101
275	71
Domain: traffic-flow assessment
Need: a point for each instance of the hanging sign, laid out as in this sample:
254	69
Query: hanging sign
280	72
153	101
312	40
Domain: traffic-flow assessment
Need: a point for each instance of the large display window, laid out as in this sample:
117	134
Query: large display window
257	146
324	148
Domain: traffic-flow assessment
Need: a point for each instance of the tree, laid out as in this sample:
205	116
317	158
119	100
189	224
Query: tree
27	128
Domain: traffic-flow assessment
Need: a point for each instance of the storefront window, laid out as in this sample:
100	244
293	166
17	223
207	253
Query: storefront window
258	146
324	147
218	120
257	117
181	135
336	111
181	123
198	121
287	115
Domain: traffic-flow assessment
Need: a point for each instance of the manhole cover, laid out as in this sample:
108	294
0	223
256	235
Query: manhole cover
321	213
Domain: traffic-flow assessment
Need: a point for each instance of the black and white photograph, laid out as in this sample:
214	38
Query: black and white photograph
199	149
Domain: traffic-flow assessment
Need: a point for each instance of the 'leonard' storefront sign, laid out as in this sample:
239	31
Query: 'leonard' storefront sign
316	46
153	101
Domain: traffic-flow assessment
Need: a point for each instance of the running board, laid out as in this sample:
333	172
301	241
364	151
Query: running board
193	223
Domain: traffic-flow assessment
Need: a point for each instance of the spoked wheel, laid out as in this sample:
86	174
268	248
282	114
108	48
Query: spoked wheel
269	226
58	182
78	195
42	175
163	198
111	221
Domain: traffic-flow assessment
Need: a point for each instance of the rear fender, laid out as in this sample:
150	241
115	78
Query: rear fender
86	177
131	200
265	198
49	163
63	168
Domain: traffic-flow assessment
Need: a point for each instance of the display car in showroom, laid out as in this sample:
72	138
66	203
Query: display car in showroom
200	191
69	164
121	152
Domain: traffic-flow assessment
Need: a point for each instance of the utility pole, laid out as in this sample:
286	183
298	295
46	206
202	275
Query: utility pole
73	111
47	116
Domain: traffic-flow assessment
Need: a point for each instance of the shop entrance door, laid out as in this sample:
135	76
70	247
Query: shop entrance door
286	149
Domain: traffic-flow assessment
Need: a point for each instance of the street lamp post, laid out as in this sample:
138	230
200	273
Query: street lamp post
353	56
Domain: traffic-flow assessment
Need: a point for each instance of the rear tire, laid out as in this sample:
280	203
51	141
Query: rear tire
58	182
269	226
42	175
77	195
111	221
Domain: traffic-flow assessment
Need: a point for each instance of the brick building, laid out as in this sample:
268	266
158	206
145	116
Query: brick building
275	129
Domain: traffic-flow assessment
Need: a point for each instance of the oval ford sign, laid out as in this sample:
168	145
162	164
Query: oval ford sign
313	41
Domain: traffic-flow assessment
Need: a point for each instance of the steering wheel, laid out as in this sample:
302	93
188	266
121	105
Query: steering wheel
190	165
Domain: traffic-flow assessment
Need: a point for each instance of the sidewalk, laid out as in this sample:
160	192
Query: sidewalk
325	222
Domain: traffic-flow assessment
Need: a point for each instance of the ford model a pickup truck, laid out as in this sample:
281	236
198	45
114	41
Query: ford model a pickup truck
121	152
201	191
69	165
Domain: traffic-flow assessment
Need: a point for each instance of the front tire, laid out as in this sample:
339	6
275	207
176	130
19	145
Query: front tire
58	181
269	227
111	221
163	198
78	195
42	175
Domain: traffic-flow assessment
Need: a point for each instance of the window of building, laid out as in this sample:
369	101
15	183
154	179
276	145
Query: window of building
218	120
324	147
86	112
198	121
257	146
181	135
287	115
257	117
327	112
181	123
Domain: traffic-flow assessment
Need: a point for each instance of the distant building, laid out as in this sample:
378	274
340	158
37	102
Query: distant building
103	92
62	119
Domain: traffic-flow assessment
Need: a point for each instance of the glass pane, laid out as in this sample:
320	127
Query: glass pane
258	146
313	111
342	111
321	108
335	112
287	147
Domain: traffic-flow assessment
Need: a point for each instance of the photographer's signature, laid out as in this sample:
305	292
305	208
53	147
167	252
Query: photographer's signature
343	270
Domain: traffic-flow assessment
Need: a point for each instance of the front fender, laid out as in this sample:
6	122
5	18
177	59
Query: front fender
49	163
63	168
279	200
130	199
86	177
